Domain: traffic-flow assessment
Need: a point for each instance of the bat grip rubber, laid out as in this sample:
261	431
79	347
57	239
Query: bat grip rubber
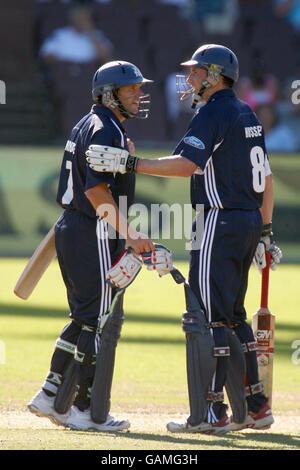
265	282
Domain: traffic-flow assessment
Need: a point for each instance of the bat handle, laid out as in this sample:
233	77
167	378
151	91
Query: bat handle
265	282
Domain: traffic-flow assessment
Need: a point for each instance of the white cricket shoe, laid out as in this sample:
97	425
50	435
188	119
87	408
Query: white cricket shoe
220	427
261	420
43	406
82	421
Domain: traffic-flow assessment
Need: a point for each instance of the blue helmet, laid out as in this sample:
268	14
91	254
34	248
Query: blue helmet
217	60
216	57
114	75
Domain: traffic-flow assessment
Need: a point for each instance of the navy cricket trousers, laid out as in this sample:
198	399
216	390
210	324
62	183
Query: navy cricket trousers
218	276
85	252
218	272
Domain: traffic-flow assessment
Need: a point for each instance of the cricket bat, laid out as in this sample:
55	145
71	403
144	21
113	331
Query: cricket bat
263	325
36	266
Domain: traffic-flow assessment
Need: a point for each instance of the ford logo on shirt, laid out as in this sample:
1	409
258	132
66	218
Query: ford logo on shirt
194	142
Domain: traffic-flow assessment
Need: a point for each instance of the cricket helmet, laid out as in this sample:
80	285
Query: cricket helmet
217	60
114	75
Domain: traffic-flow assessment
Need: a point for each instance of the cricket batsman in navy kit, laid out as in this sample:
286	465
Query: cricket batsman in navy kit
223	151
87	251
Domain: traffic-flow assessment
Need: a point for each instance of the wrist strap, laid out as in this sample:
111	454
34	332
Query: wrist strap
267	230
131	164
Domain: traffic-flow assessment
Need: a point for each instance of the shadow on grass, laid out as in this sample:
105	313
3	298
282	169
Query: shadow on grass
238	441
42	312
283	347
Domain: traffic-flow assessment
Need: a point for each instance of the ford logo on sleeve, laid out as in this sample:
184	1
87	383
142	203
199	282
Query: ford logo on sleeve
194	142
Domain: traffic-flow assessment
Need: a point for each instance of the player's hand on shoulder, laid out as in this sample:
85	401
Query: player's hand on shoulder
266	243
103	158
160	260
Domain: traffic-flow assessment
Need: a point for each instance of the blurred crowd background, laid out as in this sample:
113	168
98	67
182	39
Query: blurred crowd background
50	50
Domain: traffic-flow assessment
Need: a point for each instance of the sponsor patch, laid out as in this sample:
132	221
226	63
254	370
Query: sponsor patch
194	142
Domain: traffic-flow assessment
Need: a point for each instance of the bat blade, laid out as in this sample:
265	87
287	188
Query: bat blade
263	325
36	266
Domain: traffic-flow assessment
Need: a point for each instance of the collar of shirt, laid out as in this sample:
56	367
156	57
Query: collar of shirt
100	110
221	94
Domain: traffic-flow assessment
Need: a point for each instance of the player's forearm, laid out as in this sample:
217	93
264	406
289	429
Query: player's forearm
172	166
266	209
104	204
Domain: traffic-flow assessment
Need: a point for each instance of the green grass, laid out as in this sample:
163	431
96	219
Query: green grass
150	375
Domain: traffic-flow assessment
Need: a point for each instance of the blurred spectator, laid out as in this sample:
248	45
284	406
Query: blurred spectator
184	7
290	10
278	136
78	42
260	88
70	56
217	16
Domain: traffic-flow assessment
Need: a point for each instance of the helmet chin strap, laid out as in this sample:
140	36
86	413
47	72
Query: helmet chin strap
126	114
111	100
213	77
197	97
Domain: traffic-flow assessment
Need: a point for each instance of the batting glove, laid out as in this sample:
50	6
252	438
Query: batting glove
102	158
125	270
159	260
265	244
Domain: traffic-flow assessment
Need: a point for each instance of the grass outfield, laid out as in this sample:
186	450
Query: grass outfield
150	378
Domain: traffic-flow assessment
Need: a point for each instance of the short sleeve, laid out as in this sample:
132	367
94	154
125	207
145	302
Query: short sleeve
268	170
103	135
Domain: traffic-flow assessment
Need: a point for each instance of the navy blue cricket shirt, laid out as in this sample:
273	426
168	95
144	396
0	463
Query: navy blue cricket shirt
226	141
100	127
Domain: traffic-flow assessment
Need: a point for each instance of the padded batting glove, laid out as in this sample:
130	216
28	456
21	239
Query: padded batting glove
266	243
160	260
125	270
103	158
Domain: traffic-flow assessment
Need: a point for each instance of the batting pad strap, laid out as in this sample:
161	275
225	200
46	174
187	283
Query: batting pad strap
54	377
222	351
216	324
101	322
190	322
215	396
84	358
65	345
89	328
53	380
254	389
249	347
